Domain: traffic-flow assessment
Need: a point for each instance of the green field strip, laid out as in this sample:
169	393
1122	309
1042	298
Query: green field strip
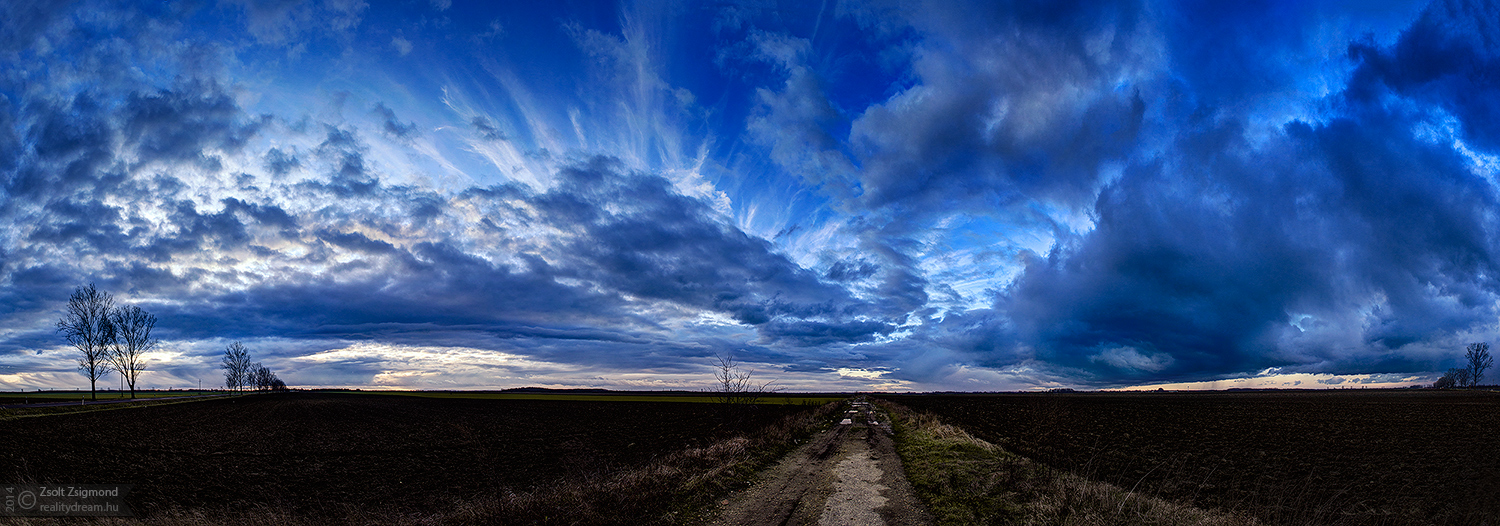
64	396
78	409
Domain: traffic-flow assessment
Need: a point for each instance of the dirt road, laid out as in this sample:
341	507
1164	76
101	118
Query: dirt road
848	475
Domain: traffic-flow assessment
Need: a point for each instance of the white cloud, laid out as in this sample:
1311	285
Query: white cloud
1130	358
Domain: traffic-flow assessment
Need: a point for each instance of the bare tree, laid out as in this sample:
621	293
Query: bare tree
736	386
260	376
132	341
1461	377
86	325
272	383
236	366
264	379
254	379
1479	359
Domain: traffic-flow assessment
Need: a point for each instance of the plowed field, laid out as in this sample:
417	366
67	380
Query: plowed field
1321	457
311	450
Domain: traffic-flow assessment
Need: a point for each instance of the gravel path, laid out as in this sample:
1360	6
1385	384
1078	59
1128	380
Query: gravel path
848	475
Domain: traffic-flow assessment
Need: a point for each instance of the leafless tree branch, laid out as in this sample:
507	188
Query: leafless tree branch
1479	359
87	326
132	341
236	366
736	386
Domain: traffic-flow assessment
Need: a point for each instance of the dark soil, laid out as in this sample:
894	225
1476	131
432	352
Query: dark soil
310	451
1323	457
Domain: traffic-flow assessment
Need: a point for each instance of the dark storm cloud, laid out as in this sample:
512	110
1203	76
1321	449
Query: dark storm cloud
358	242
975	123
393	127
25	19
281	163
431	287
1356	245
350	178
901	288
186	124
642	238
225	229
1034	114
70	140
280	22
74	165
437	288
10	141
1448	59
339	140
851	270
486	129
1000	103
91	223
1231	51
31	291
817	333
1202	286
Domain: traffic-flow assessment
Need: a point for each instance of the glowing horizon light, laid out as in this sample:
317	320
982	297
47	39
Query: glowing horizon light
1296	381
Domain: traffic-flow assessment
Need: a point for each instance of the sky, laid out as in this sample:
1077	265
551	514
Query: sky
965	196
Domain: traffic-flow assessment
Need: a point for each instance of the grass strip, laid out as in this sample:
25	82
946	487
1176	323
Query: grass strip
964	480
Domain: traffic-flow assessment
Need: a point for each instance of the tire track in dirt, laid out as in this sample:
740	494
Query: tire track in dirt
847	475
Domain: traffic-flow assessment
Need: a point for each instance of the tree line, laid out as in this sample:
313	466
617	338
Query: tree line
117	338
240	372
1476	359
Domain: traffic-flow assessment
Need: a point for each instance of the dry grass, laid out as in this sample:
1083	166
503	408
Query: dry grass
965	480
676	489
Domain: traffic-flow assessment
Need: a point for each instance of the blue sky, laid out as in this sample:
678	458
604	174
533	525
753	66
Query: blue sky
847	195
